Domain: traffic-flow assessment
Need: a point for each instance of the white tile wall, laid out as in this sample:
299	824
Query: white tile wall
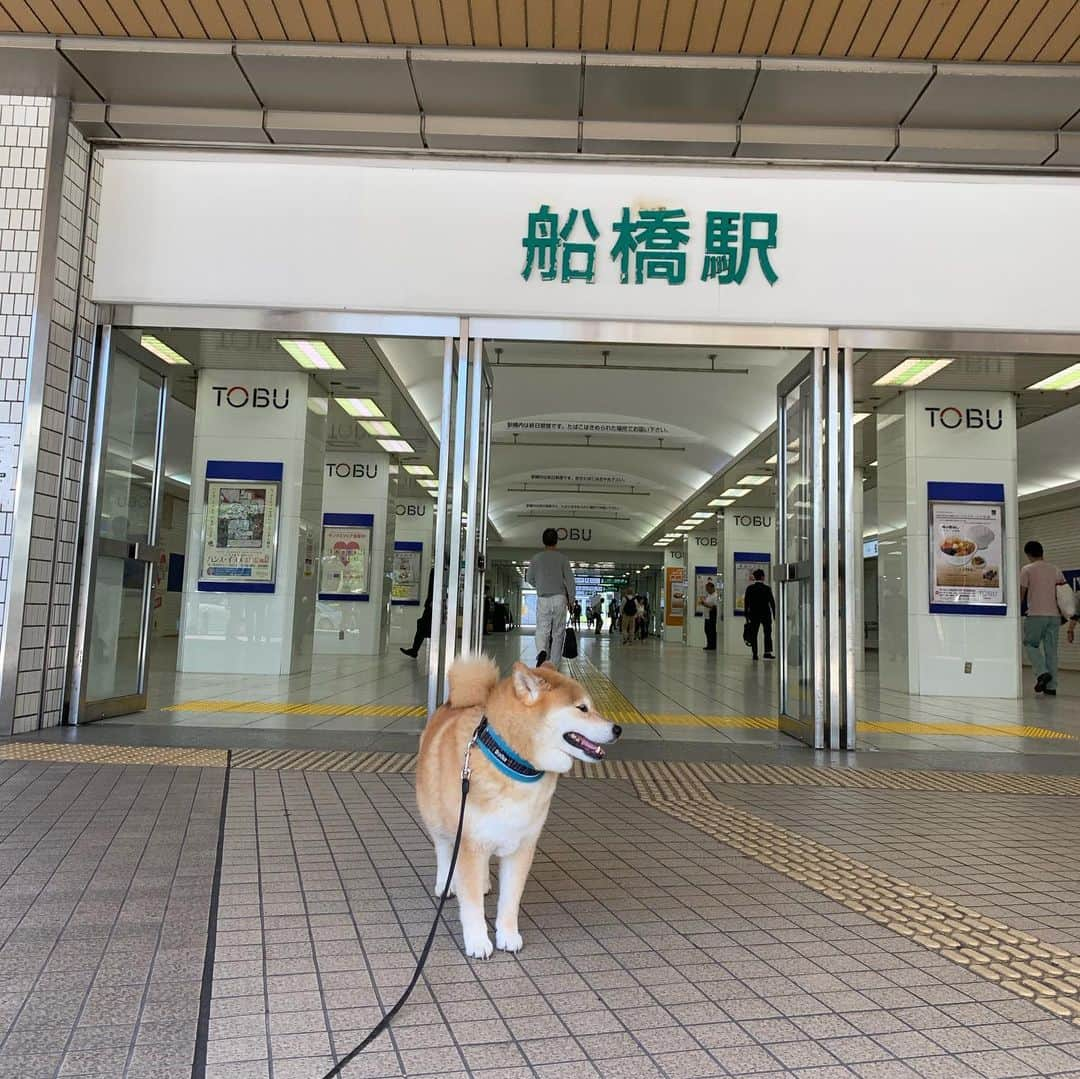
1059	533
48	605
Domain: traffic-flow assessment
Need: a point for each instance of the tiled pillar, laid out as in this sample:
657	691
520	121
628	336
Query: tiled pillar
49	193
927	438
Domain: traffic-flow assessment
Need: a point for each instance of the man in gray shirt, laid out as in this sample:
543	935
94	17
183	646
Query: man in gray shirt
550	574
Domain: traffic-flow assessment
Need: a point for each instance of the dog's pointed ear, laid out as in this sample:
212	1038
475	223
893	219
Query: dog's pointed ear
528	685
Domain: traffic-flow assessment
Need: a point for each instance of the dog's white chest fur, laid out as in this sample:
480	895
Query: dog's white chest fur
505	824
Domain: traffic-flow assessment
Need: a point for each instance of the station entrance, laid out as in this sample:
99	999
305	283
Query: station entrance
273	512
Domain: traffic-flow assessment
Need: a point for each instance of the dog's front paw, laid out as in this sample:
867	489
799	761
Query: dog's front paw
507	941
478	945
439	886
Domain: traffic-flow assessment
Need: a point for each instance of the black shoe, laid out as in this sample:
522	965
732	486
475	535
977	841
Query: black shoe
769	655
409	652
756	658
1049	692
541	658
1041	683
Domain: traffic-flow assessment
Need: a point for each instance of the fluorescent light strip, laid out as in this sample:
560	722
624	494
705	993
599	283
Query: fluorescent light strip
735	492
702	515
1068	379
753	481
395	445
312	355
380	428
418	470
684	528
157	347
912	371
722	502
431	485
363	408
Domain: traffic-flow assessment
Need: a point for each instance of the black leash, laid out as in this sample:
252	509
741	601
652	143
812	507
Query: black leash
384	1023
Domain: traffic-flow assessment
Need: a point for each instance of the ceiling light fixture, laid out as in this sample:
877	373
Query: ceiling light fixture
702	515
858	417
912	371
419	470
430	485
395	445
380	428
157	347
772	460
363	408
319	405
684	528
754	480
722	502
1068	379
312	355
735	492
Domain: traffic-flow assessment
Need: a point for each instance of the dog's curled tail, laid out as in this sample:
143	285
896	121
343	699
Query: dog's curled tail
471	680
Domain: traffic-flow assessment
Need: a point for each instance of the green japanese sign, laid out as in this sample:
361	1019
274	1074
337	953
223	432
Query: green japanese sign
650	246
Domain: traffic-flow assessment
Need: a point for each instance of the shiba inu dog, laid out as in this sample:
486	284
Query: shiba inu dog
538	722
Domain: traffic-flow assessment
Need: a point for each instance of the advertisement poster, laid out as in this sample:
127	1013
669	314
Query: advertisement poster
967	547
345	567
744	563
241	531
405	588
702	576
675	595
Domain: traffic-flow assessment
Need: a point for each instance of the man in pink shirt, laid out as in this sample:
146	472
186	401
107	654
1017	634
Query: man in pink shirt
1038	589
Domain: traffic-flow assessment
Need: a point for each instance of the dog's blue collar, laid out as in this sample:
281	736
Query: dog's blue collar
503	757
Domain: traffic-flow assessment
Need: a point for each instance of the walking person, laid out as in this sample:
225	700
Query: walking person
1038	590
709	602
423	623
577	616
629	617
550	574
614	613
759	606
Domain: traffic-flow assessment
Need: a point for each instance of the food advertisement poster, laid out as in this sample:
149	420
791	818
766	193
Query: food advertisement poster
744	563
967	548
674	595
241	532
702	576
345	564
405	587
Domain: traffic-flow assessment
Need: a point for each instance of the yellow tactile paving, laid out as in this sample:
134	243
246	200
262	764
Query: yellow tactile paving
1044	973
323	761
61	753
614	704
301	708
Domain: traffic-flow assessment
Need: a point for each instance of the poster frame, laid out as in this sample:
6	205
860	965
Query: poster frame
739	590
974	494
673	574
699	572
268	473
409	545
346	520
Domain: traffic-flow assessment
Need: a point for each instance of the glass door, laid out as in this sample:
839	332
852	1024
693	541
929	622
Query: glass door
119	552
800	575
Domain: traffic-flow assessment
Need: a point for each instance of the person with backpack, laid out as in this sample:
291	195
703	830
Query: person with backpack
629	617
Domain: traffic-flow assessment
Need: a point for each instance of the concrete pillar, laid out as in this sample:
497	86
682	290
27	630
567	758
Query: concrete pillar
749	543
702	548
251	423
676	597
957	448
414	523
356	496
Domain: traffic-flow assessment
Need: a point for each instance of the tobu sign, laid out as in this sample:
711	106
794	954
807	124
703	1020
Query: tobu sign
251	396
357	470
970	419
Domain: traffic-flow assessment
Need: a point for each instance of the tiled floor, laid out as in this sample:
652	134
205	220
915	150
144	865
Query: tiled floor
686	701
653	947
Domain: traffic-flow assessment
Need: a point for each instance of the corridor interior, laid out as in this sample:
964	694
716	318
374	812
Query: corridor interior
650	447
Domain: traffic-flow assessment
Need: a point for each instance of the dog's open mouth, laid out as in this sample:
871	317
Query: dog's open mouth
579	741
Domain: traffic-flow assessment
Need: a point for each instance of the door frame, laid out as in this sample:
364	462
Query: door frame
92	546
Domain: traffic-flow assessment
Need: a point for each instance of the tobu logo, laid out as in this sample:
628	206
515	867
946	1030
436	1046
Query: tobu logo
579	535
411	510
256	397
707	541
971	419
746	520
354	470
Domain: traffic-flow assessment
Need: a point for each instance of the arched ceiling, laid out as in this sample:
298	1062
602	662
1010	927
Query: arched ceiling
611	452
1044	31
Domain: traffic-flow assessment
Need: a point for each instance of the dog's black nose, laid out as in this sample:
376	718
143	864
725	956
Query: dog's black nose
616	730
